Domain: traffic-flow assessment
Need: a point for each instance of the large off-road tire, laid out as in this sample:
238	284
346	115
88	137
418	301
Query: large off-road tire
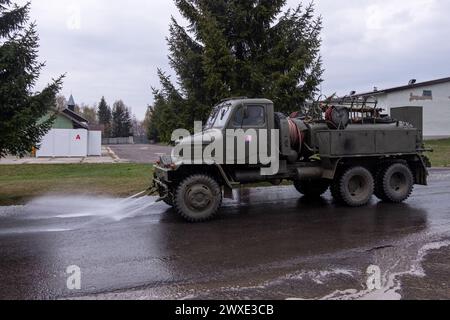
312	188
356	187
198	198
379	190
396	183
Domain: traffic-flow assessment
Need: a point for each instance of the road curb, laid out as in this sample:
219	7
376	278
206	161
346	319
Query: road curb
112	154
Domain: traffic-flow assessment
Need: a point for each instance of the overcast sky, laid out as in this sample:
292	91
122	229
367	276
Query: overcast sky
113	48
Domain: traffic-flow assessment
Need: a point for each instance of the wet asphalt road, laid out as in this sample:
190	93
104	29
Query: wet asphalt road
267	244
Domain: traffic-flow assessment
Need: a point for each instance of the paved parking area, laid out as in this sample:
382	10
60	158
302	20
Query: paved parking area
140	153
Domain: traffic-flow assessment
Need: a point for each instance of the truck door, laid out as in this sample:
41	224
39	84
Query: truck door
251	119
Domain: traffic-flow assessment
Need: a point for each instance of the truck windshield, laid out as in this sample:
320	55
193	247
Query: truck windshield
219	117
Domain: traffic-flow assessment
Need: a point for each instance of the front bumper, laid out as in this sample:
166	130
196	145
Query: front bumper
162	175
160	183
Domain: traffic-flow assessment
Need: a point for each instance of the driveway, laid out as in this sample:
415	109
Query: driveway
140	153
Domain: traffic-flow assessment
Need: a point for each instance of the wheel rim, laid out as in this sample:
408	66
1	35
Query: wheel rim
357	187
199	197
398	183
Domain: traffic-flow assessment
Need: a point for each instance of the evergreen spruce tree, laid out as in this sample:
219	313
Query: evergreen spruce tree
237	48
23	113
127	123
121	120
104	115
148	125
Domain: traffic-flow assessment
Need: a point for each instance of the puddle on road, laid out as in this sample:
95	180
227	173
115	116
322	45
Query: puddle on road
59	214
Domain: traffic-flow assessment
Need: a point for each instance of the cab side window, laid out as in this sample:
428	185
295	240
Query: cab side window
251	116
238	118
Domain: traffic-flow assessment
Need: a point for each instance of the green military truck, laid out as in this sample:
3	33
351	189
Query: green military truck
351	149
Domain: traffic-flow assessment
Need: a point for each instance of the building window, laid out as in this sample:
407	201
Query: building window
428	93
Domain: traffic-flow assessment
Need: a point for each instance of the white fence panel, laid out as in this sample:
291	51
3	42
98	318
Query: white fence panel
112	141
64	143
95	143
61	145
78	143
47	146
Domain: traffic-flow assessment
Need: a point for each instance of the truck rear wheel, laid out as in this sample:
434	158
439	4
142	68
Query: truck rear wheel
396	183
198	198
356	187
378	175
312	188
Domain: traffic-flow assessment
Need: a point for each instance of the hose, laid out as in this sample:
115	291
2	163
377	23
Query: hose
329	118
296	135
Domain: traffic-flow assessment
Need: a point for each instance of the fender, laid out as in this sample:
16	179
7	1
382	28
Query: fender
228	187
330	167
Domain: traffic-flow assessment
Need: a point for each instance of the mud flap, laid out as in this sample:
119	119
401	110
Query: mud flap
330	167
227	192
421	172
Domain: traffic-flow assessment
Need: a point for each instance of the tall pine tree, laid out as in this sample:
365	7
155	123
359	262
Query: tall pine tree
104	115
237	48
121	120
21	109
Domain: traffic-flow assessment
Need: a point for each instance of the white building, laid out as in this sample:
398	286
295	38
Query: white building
433	96
70	136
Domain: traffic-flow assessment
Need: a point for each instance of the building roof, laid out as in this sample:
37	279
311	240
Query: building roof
71	102
78	120
407	87
75	115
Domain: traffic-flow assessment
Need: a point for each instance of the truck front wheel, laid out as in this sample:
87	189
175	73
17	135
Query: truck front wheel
356	187
198	198
312	188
